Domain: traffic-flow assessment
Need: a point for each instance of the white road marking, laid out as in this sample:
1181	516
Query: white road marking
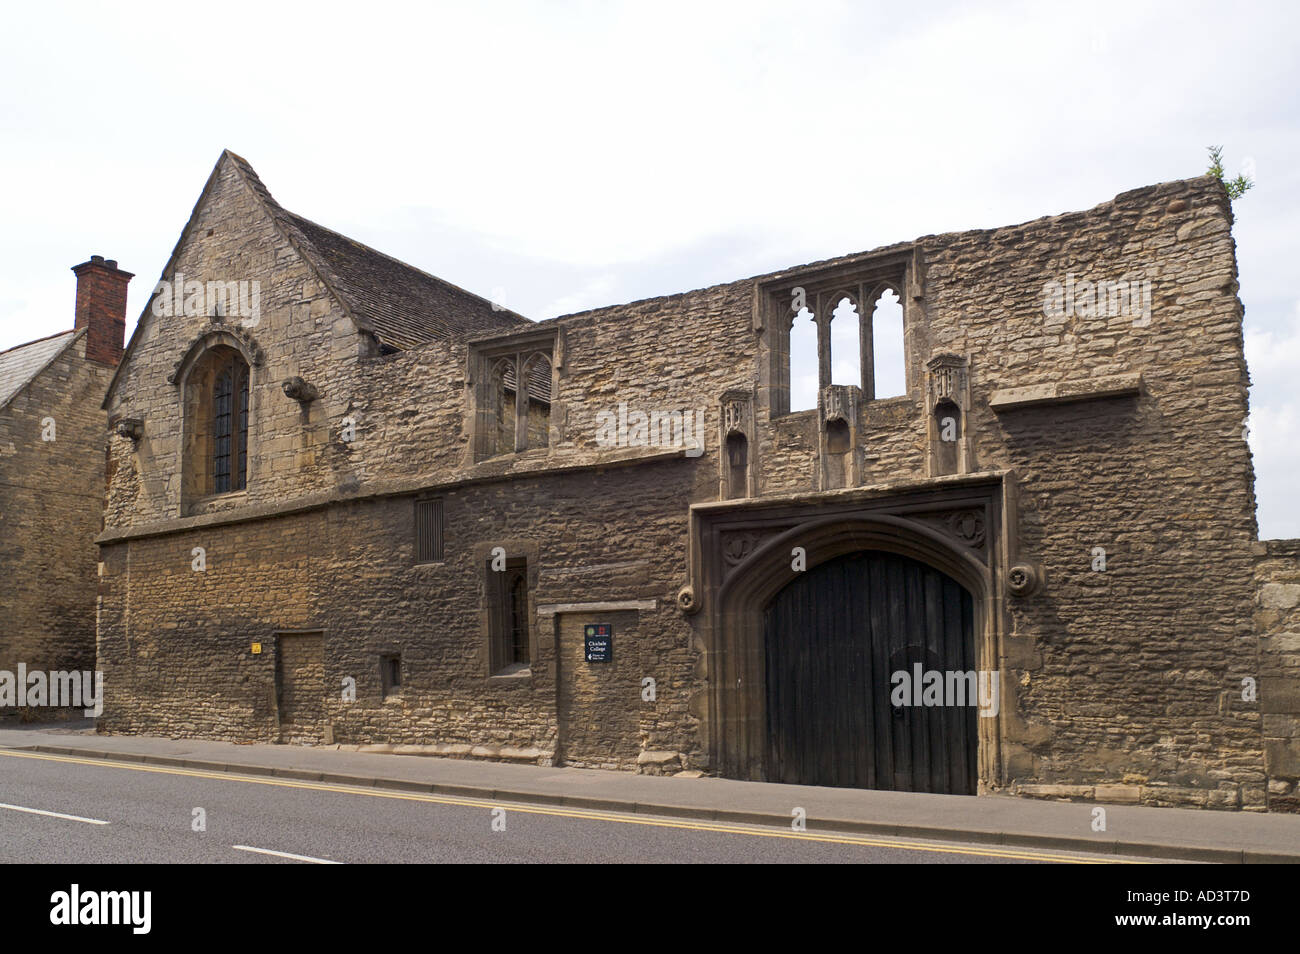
37	811
285	854
1071	856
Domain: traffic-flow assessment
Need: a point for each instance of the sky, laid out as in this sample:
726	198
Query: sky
556	157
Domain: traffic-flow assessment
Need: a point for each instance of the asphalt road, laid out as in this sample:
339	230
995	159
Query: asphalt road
144	814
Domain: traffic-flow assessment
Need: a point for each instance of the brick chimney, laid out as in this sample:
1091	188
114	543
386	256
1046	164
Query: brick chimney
101	307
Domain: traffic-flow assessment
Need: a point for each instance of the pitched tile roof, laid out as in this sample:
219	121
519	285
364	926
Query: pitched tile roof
403	306
21	363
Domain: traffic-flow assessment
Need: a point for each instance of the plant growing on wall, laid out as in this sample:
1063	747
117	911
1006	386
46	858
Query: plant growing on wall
1236	187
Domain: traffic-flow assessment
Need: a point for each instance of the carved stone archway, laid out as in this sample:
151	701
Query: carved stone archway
744	555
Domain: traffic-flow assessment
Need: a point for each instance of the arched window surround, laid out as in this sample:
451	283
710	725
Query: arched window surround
216	381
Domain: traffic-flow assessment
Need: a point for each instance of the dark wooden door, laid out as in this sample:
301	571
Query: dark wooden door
833	639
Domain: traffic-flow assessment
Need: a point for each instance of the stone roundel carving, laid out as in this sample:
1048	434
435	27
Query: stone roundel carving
1023	579
686	600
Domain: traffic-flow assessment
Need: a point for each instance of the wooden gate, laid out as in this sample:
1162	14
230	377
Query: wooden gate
833	638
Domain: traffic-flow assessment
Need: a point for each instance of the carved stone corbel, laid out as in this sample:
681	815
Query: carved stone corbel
132	428
300	390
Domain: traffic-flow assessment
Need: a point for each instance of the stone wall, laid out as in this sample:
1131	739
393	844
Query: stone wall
177	665
51	494
1120	673
1116	680
1277	624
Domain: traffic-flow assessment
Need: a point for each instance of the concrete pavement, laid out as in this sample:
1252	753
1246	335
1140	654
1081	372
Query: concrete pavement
1175	834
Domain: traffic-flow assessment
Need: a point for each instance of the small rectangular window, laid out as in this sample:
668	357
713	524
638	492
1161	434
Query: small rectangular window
390	674
508	592
428	531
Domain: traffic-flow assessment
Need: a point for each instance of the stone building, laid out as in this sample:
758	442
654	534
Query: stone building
52	479
376	509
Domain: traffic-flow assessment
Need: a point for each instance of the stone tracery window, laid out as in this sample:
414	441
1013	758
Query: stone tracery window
522	416
512	394
858	316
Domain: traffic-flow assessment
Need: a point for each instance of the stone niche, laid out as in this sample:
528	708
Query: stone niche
947	406
840	465
737	464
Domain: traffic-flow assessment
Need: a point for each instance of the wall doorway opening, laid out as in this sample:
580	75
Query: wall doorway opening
833	638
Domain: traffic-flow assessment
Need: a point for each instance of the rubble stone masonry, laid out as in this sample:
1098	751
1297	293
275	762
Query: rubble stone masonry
51	497
1121	684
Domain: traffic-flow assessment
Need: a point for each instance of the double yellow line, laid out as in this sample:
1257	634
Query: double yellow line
622	818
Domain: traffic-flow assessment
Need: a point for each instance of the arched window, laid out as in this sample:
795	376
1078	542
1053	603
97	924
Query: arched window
803	361
888	352
737	465
503	407
230	426
846	343
848	330
537	375
512	398
217	403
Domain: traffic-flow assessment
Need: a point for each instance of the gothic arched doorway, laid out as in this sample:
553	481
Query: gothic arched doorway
834	639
